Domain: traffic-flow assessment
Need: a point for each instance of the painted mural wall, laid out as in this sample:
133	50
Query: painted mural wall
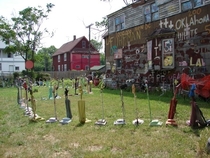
161	57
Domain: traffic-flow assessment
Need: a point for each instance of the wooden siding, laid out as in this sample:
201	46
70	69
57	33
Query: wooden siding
169	9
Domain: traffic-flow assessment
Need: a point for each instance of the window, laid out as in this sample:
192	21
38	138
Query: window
9	55
64	57
59	58
151	12
83	44
59	67
65	67
120	23
190	4
0	67
17	68
85	56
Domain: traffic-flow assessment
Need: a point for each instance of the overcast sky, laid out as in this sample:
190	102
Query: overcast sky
67	18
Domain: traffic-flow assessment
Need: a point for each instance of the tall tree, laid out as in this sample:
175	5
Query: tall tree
24	34
102	59
103	23
96	44
44	56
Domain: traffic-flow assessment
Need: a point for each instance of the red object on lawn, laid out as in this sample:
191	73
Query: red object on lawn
172	109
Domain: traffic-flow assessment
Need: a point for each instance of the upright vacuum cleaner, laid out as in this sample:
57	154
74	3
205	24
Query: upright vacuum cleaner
137	121
68	117
122	120
172	109
197	119
101	121
54	119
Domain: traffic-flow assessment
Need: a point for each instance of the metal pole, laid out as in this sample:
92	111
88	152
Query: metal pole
89	26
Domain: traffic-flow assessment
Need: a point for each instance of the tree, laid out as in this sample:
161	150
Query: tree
96	44
103	23
102	59
44	56
24	34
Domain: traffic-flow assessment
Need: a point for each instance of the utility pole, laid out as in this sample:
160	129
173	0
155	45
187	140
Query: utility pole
89	26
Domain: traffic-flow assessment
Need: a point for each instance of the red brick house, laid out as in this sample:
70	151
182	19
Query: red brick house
74	55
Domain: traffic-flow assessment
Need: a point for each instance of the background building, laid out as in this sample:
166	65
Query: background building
77	54
10	63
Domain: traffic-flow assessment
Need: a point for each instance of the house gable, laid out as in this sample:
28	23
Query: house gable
77	54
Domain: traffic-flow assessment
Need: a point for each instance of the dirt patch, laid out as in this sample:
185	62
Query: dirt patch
75	145
50	138
94	148
62	154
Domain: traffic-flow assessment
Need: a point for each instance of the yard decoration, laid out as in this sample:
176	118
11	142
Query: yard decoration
172	109
50	92
54	119
155	122
122	120
28	110
68	117
34	116
18	95
201	87
137	121
90	87
76	83
101	121
197	120
19	92
81	107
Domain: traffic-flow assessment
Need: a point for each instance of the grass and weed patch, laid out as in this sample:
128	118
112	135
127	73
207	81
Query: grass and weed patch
21	138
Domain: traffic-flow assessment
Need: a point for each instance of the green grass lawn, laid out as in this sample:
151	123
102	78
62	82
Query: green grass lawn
21	138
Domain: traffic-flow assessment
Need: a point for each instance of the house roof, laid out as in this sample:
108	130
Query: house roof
96	68
68	46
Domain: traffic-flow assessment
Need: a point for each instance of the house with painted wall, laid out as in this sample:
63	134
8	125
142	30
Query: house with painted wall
10	63
77	54
157	40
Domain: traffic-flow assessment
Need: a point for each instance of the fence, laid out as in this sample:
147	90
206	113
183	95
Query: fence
66	74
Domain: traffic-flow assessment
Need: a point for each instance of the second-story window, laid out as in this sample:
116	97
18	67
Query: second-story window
59	58
190	4
120	23
83	44
151	12
64	57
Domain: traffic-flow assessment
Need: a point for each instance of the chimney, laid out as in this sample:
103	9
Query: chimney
74	37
